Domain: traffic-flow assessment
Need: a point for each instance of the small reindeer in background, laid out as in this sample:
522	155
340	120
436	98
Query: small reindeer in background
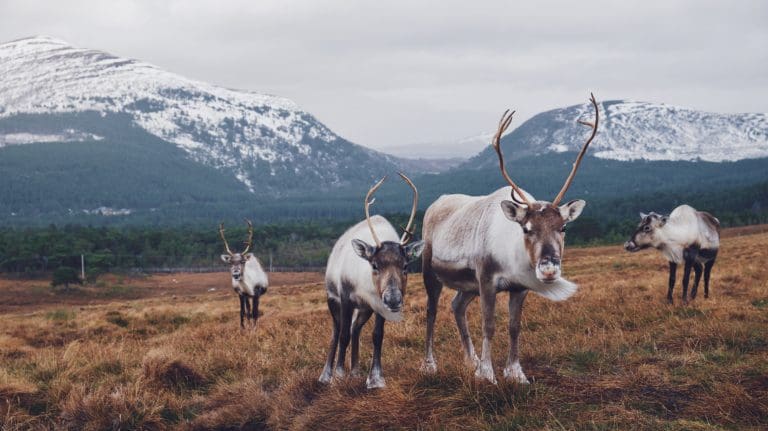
686	235
248	277
366	274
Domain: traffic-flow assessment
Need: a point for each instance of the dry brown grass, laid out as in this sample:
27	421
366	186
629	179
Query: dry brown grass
170	355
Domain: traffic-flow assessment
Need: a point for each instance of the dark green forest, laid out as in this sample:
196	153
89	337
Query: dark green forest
306	244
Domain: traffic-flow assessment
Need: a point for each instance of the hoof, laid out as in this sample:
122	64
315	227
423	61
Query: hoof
515	374
376	382
429	366
325	378
340	374
485	372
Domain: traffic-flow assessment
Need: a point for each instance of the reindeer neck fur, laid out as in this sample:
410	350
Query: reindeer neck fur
471	232
686	227
348	271
253	278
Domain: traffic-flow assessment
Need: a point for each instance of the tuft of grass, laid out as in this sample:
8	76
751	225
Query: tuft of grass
117	318
60	315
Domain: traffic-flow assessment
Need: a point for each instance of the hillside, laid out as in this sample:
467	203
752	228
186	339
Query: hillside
165	352
268	143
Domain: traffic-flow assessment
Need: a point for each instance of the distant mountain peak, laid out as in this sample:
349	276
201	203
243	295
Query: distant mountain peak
633	130
252	135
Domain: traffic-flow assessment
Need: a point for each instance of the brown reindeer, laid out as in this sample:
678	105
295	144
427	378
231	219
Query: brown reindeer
483	245
366	274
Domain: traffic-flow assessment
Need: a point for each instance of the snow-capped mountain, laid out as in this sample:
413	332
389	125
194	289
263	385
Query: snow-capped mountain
263	140
639	131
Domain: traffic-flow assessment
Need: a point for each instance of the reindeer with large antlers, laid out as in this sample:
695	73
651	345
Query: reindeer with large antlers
248	277
366	274
483	245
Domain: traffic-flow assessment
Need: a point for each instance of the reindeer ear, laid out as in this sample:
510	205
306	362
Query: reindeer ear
572	210
413	250
363	249
643	215
226	258
514	211
248	256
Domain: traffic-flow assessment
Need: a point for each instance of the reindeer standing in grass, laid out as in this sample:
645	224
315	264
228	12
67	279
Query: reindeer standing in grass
366	274
483	245
686	235
248	277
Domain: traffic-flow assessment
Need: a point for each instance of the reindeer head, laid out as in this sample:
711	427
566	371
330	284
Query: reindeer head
543	223
236	261
389	259
647	232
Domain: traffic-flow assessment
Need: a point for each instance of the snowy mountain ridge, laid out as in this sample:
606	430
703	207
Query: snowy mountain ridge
632	130
217	126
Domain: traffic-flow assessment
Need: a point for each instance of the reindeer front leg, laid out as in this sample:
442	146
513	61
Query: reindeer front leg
459	305
361	318
242	311
375	378
672	275
488	307
514	371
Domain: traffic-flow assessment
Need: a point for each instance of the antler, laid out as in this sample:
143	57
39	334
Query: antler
226	245
407	234
569	180
506	119
250	237
368	203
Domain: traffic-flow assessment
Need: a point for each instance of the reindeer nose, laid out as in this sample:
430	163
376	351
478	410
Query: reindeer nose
629	245
550	260
393	299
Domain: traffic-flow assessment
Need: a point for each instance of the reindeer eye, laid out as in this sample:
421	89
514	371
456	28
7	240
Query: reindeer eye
562	229
375	268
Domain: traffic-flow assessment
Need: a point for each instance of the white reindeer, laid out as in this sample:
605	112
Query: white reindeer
248	277
686	235
366	274
482	245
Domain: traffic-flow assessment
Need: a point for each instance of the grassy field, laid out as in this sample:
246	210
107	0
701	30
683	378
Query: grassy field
166	352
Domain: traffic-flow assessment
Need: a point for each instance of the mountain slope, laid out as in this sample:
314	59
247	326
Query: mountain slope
268	143
637	131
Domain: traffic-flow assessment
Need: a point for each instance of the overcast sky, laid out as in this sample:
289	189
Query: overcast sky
389	73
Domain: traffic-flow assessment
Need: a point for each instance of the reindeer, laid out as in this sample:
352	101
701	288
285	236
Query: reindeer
686	235
248	278
357	288
483	245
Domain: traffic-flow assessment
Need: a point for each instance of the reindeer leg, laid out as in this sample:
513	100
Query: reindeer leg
672	275
242	312
361	318
697	268
488	307
248	309
459	305
335	310
375	378
256	307
686	276
707	270
689	255
434	287
345	322
514	371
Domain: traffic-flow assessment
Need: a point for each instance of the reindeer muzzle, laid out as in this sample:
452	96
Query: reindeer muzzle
631	246
548	269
